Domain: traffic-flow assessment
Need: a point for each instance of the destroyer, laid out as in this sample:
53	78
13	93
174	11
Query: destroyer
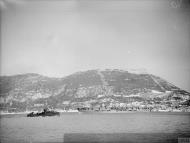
45	112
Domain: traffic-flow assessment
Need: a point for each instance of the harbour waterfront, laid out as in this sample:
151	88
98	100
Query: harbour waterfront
99	127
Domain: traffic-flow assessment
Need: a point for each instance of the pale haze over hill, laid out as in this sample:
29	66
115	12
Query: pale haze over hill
58	38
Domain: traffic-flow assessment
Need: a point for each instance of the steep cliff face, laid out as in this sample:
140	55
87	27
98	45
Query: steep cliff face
89	88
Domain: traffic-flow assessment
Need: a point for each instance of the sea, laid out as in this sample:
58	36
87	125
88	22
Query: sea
134	127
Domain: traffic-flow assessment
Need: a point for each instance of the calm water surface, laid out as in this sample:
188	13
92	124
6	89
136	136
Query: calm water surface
129	126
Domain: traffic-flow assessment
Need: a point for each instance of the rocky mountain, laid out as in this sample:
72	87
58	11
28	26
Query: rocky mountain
89	88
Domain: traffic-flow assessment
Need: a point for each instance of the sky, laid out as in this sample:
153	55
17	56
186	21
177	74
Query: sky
57	38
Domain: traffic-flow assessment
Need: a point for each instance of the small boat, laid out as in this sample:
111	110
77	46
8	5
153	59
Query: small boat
45	112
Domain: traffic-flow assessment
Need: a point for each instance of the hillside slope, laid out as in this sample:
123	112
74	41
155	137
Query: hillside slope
89	88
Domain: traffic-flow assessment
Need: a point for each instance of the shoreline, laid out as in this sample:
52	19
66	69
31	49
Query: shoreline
106	112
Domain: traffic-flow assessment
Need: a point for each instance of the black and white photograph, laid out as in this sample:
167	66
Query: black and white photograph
94	71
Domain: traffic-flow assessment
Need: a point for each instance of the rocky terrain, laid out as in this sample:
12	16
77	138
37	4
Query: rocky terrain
93	88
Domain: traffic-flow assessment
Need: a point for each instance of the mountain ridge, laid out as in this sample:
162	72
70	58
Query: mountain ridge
86	88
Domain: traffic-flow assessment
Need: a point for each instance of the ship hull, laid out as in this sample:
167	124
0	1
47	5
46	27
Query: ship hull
49	113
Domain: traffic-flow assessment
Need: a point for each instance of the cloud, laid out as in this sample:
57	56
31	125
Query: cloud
4	4
51	40
180	4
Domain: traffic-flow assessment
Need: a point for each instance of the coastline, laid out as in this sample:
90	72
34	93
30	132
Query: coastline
91	111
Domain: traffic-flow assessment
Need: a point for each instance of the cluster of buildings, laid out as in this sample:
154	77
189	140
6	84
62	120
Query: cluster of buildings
138	106
144	102
167	103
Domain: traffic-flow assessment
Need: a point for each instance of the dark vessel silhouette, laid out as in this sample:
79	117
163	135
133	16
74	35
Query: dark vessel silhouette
44	113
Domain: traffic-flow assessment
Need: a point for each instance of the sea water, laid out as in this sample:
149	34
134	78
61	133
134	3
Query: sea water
96	127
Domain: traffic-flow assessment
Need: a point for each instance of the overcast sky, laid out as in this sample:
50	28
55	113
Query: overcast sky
57	38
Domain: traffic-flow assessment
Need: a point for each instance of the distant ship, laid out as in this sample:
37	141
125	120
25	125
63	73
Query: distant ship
44	113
